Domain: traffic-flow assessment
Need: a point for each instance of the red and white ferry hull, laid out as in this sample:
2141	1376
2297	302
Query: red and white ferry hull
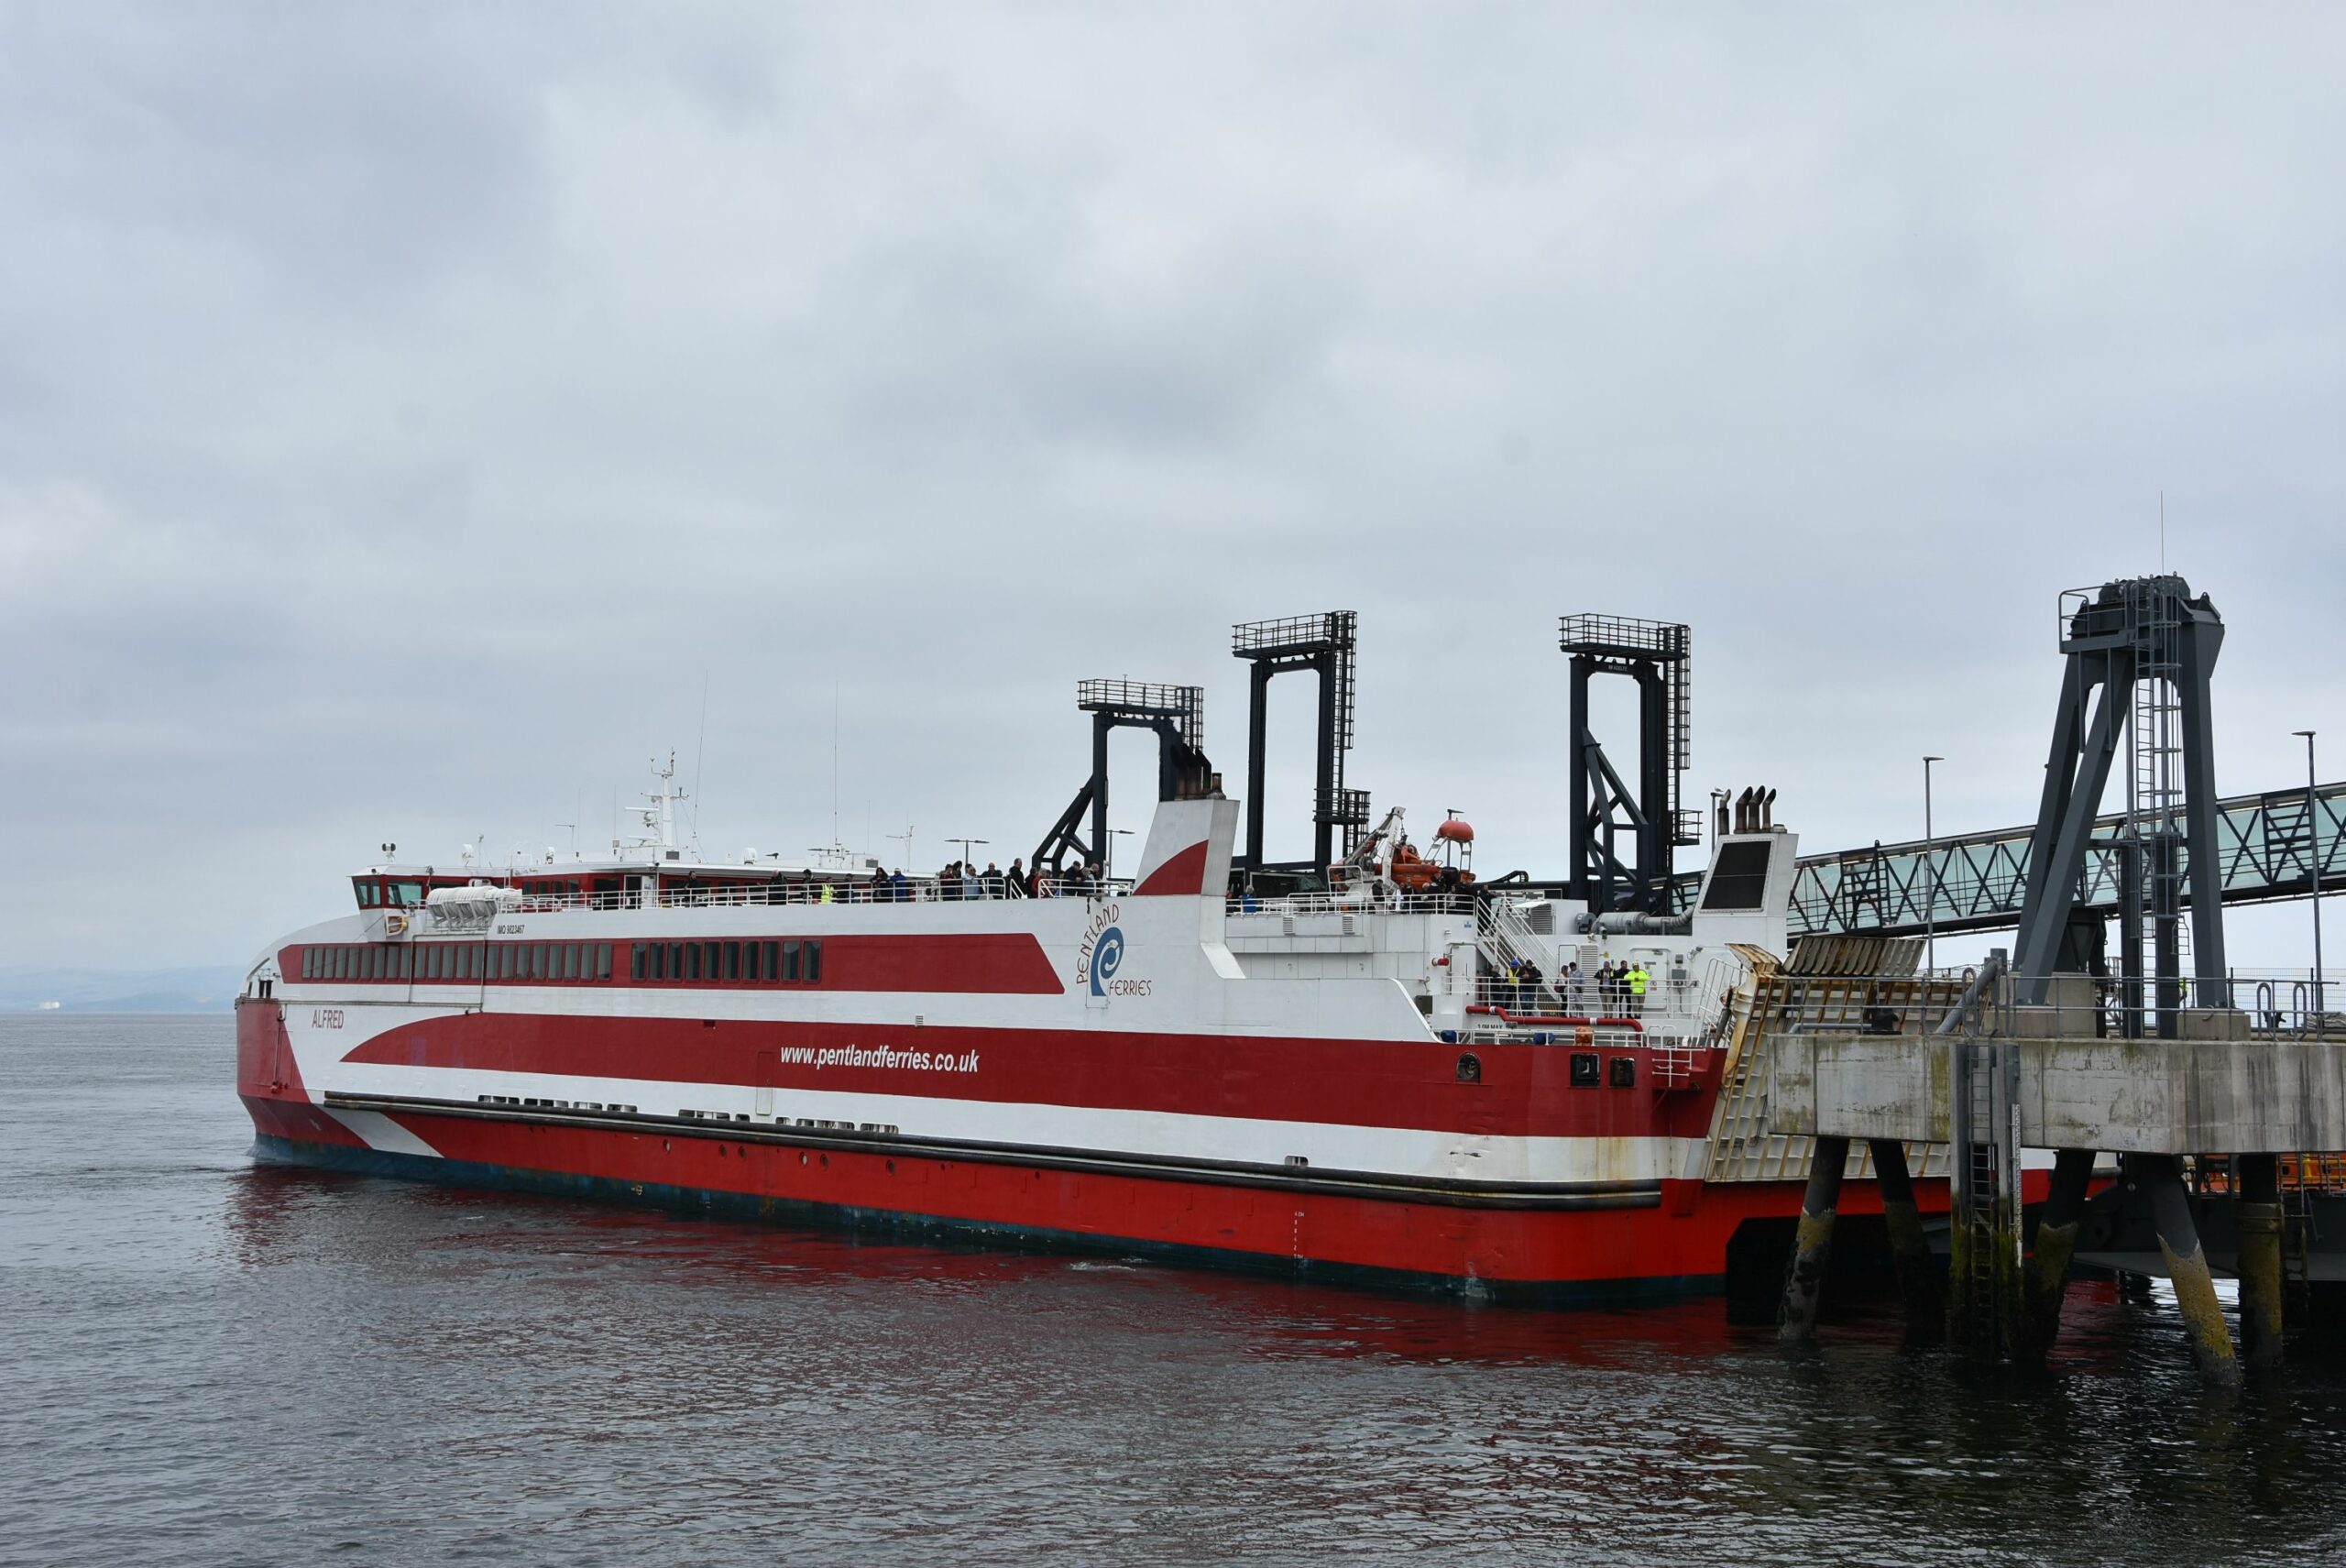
1125	1075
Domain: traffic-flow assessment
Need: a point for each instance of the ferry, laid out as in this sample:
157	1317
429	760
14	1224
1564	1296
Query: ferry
1399	1076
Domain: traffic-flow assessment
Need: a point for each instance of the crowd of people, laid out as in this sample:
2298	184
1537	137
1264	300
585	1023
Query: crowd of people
1618	990
961	880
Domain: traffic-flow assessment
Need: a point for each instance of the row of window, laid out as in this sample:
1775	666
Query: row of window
756	964
752	962
456	962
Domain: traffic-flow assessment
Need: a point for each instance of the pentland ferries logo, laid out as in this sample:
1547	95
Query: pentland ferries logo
1102	954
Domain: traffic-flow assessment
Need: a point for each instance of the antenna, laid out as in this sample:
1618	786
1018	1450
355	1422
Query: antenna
907	837
2162	534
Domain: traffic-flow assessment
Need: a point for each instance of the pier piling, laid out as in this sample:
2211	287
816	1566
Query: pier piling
1909	1250
2160	1179
2256	1215
1812	1246
2057	1245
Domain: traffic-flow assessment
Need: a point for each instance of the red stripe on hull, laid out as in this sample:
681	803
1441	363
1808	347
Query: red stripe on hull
1503	1247
268	1080
1523	1090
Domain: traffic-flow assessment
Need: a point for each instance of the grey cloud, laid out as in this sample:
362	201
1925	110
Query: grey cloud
402	413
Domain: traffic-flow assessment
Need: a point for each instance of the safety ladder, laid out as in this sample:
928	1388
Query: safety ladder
2297	1247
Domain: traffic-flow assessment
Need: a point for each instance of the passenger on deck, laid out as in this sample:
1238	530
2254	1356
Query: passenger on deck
1017	884
992	883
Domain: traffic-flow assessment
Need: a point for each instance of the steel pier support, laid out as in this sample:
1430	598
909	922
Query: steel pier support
2256	1215
2057	1244
1812	1246
2160	1179
1918	1275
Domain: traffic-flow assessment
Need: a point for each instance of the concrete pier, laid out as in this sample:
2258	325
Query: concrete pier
2174	1097
2213	1090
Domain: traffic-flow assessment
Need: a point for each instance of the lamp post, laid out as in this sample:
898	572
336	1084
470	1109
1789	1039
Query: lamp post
1931	862
1108	851
2313	859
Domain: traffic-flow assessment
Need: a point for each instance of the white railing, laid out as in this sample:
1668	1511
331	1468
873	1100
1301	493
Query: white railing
731	895
1353	904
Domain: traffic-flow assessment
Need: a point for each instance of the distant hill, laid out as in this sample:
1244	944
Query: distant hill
23	990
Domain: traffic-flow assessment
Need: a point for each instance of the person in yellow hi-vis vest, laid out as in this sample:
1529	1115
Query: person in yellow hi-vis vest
1638	981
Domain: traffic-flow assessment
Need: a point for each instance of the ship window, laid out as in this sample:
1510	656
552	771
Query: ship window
407	963
504	960
636	963
675	960
409	892
732	960
570	961
773	960
540	963
790	961
432	959
753	960
1584	1069
334	963
692	960
1623	1071
602	960
813	962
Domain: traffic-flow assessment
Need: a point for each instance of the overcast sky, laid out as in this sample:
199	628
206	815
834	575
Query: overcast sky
407	412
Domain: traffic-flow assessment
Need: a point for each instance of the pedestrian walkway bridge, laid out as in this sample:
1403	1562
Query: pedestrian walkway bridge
2268	843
